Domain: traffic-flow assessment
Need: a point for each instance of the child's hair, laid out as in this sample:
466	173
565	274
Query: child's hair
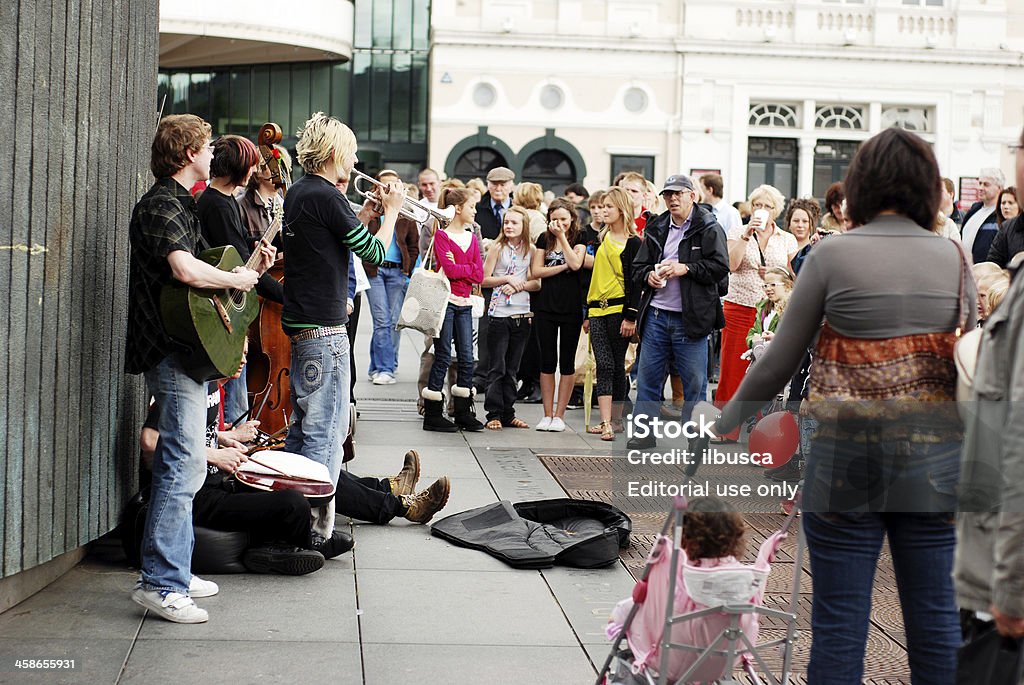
574	225
996	292
595	198
787	279
524	245
452	196
712	529
983	269
622	201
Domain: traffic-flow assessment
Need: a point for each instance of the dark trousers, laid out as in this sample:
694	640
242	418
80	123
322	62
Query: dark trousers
558	336
480	372
366	499
281	516
350	327
506	341
610	354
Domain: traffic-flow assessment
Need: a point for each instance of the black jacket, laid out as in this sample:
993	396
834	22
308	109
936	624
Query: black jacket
489	227
1008	242
704	251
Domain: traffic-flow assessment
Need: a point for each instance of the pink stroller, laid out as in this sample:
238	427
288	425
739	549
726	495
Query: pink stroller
711	626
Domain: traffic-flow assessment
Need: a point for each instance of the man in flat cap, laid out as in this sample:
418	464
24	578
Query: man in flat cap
678	268
491	210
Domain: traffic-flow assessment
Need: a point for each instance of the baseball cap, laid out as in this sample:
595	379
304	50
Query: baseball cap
677	182
500	174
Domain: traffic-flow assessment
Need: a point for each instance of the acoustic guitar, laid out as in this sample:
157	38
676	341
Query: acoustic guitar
212	323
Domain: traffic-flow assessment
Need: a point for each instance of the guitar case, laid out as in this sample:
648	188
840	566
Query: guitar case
215	551
541	534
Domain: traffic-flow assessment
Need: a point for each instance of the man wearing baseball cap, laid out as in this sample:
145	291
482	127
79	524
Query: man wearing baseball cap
678	268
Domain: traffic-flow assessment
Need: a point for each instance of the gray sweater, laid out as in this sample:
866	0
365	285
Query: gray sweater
887	279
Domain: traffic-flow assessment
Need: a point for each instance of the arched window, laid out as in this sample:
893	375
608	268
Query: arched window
551	168
477	161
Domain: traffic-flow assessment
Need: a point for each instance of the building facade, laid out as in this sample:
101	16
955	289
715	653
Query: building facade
764	91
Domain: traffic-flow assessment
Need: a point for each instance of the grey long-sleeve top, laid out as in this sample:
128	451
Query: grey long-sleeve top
887	279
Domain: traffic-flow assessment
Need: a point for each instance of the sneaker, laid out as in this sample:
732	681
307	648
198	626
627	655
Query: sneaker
384	378
422	506
576	399
284	559
790	471
172	606
557	425
372	377
197	587
544	424
339	543
404	483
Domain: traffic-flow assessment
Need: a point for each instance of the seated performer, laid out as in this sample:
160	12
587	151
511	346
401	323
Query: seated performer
320	230
165	242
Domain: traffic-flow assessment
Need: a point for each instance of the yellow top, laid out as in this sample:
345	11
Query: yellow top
606	283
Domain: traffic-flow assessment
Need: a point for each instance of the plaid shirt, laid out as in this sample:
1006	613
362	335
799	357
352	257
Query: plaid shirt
164	220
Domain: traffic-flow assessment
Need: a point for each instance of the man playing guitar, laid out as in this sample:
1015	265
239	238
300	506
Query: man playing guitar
165	235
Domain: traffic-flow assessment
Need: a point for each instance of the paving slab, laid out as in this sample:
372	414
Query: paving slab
90	600
587	596
218	661
414	548
95	660
319	607
472	665
460	608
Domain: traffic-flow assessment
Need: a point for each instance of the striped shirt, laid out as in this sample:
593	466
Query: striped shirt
319	231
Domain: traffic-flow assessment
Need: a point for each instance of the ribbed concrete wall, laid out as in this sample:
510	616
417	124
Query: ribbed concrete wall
76	121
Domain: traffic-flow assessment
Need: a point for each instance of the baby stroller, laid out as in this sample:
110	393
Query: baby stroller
711	626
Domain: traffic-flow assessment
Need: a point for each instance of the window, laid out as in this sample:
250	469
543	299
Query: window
772	161
917	119
840	117
484	95
926	3
635	100
477	161
831	160
551	168
551	97
773	114
639	163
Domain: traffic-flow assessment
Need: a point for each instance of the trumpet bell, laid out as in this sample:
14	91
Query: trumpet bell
410	209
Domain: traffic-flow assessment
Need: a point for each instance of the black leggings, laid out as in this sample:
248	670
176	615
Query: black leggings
281	516
610	354
557	350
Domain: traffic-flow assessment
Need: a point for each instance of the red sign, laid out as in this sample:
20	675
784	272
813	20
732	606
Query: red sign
970	192
695	174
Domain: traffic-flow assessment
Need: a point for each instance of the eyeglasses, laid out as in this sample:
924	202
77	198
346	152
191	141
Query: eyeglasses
1014	148
762	205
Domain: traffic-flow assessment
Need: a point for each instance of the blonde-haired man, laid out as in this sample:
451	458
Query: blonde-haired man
320	230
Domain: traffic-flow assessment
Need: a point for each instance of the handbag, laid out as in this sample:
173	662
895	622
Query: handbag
476	299
426	300
988	658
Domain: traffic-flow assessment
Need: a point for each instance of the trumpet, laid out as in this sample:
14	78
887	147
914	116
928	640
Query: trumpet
411	209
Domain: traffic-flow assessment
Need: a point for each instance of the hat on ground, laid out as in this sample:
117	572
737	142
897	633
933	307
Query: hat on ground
500	174
677	182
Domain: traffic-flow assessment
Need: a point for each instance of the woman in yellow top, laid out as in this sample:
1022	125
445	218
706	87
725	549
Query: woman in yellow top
612	303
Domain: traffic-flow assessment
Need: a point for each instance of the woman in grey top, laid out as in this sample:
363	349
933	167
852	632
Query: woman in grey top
884	461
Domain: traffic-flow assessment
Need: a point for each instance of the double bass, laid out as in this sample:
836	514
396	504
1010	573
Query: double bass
269	348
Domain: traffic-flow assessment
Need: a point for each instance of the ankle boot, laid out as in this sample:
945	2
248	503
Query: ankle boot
464	416
433	413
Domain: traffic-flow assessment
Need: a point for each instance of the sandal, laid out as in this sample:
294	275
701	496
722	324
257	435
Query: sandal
515	422
494	425
596	429
607	434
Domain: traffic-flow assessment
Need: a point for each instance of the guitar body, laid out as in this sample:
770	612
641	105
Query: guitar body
210	323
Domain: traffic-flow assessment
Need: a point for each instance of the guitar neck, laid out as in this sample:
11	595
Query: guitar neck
268	236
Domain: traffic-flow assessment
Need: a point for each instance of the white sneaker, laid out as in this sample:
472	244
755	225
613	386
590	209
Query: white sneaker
197	587
384	378
544	424
372	377
557	425
172	606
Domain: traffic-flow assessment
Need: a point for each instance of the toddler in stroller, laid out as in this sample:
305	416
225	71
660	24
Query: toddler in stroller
714	617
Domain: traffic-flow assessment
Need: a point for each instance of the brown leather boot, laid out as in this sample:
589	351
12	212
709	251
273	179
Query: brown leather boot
422	506
404	482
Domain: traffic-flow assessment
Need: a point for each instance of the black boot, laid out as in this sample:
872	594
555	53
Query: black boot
433	413
464	416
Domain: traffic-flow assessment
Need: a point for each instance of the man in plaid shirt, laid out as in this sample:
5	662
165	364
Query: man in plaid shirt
165	238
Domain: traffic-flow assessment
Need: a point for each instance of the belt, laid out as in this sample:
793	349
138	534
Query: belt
314	333
604	304
390	265
527	315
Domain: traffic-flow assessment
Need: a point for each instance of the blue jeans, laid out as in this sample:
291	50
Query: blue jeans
320	399
236	398
396	283
458	322
179	470
382	344
844	551
663	341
